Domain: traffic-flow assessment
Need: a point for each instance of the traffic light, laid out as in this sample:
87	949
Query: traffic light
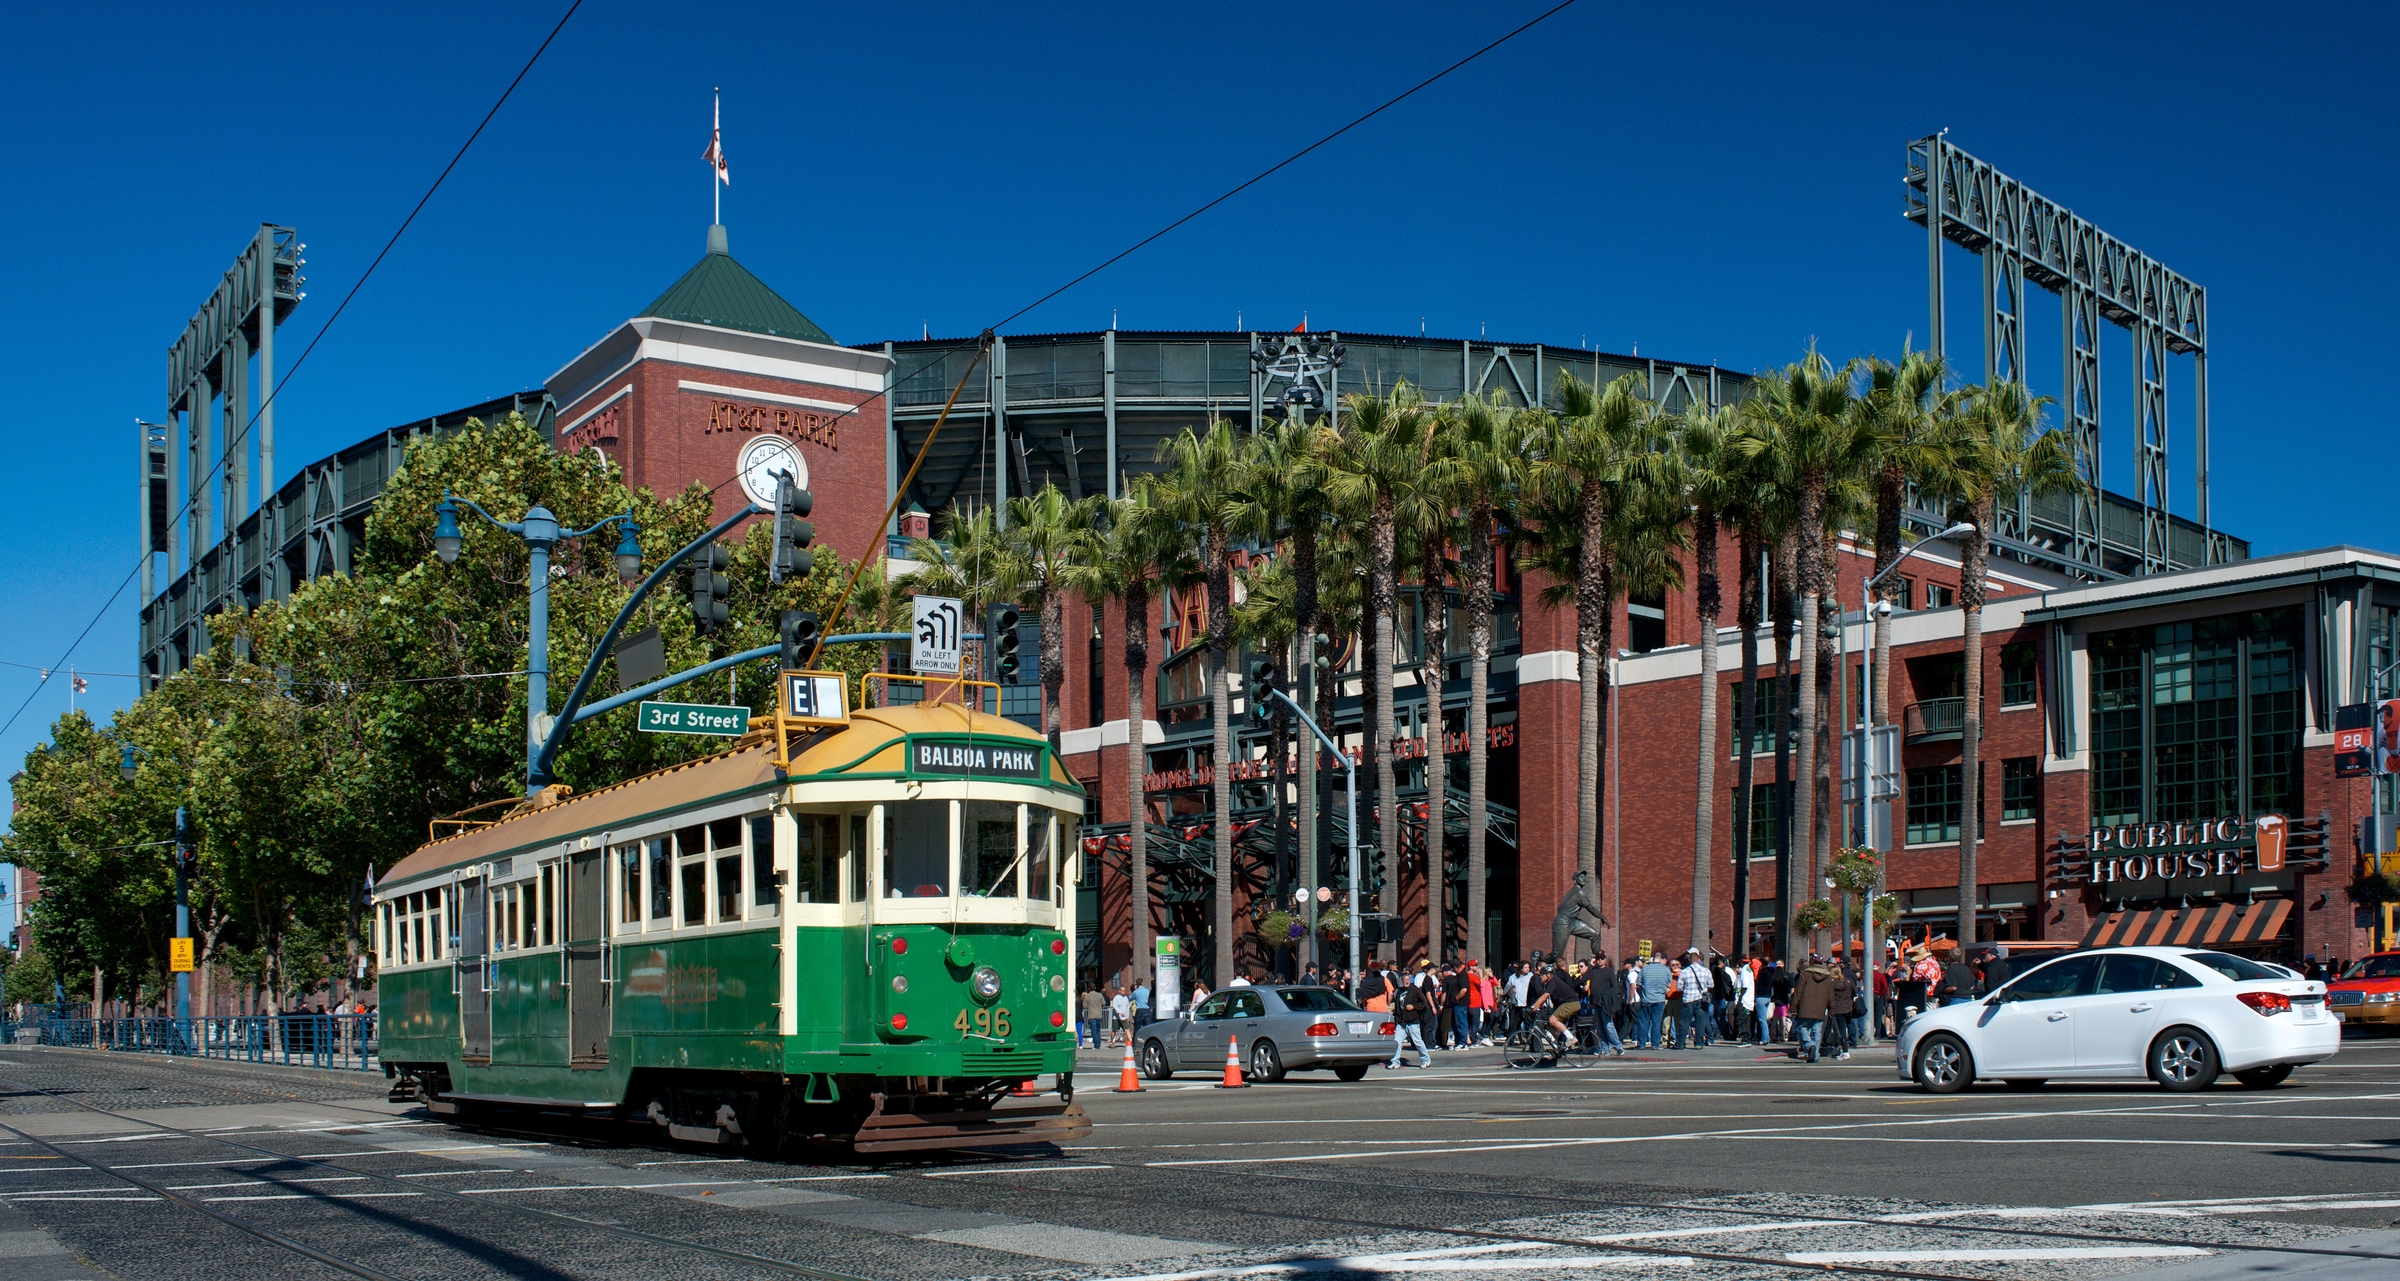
799	637
1000	633
187	842
792	559
709	585
1262	687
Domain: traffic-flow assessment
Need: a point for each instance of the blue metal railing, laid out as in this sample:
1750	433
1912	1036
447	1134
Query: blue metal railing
344	1041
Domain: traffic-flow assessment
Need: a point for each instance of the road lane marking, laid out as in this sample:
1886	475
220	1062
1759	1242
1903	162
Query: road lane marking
1012	1169
2033	1254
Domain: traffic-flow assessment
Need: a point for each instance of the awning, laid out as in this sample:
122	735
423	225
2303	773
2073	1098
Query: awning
2218	925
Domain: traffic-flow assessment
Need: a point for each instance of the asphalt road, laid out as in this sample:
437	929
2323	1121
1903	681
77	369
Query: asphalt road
1715	1163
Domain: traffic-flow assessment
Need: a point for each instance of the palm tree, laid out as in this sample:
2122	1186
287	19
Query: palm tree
1286	485
1047	538
1905	407
2002	451
1816	440
1434	532
1127	548
1489	449
1760	514
1377	468
967	558
1598	441
1200	490
1710	474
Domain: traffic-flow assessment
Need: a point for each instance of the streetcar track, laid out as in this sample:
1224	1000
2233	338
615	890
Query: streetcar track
738	1256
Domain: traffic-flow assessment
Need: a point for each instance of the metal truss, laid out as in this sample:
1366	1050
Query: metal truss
2023	236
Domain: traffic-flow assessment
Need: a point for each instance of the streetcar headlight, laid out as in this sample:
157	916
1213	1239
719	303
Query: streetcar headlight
1058	982
985	983
900	984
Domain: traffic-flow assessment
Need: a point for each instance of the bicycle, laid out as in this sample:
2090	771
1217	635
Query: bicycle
1536	1045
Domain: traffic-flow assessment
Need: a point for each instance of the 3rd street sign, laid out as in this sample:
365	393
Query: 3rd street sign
694	718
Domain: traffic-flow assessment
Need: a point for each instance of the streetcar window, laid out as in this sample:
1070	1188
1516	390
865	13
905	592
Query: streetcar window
858	859
383	917
817	864
403	935
420	926
725	834
916	849
762	865
662	880
690	841
695	892
1041	878
729	886
629	884
992	845
433	931
548	913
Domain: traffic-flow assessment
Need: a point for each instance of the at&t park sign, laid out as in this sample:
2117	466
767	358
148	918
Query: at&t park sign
2173	851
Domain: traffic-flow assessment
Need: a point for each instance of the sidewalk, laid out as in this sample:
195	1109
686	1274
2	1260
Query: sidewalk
369	1081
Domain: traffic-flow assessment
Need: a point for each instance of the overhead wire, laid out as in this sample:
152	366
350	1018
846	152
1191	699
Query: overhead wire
242	438
925	448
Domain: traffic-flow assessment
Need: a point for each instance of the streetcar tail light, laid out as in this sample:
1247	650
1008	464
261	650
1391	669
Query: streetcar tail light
899	1022
1058	947
1058	1018
1386	1029
1321	1029
2265	1003
899	947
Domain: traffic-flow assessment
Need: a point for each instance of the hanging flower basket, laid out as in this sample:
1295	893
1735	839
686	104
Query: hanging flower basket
1334	924
1275	928
1816	914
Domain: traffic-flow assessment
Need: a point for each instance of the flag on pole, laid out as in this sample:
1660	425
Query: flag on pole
367	896
715	155
82	686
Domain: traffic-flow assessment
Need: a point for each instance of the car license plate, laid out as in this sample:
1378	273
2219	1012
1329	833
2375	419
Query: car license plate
2312	1013
1360	1029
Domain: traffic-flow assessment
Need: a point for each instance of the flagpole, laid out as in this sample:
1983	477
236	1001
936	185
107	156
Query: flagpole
716	189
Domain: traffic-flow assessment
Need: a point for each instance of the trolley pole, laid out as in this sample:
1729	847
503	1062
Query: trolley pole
1350	769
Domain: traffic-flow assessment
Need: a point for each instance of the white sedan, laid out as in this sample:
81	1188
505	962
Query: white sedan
2177	1016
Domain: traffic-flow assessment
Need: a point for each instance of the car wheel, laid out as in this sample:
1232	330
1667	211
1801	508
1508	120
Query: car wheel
2026	1083
2264	1078
2182	1060
1265	1063
1354	1072
1154	1061
1943	1065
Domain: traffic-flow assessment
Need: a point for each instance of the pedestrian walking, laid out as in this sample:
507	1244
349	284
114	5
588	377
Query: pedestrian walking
1779	992
1410	1009
1654	984
1696	991
1604	991
1095	1008
1812	998
1745	1001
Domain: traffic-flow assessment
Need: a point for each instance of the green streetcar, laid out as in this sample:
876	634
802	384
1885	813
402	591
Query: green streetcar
870	947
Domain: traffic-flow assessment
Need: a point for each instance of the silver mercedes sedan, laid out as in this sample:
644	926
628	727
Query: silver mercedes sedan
1275	1029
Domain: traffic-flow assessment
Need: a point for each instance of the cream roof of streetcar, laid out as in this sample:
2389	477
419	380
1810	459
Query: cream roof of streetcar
873	744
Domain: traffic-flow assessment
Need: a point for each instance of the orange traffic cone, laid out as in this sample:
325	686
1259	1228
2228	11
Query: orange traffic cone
1233	1066
1127	1081
1024	1090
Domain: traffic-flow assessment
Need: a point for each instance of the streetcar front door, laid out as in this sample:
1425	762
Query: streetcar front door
587	990
471	974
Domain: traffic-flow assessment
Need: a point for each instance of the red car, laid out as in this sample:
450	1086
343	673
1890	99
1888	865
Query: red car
2368	994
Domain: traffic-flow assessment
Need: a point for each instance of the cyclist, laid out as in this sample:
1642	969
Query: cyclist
1557	992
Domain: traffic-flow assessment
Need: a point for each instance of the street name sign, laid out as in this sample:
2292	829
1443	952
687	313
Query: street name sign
694	718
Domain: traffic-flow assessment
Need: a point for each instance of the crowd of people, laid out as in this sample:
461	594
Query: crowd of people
1820	1009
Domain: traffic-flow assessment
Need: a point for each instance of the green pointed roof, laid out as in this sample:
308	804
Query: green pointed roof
719	291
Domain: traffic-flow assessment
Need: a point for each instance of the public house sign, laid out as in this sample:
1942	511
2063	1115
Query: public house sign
2184	849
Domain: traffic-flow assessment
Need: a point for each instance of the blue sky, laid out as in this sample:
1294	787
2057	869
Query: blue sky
1710	183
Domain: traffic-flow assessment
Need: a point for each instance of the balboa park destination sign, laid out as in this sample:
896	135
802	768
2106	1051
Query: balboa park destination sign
983	759
2175	851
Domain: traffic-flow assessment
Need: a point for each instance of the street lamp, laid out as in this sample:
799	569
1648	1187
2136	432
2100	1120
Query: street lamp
1866	762
540	531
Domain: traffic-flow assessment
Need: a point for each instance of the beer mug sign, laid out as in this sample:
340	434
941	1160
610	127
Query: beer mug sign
2272	829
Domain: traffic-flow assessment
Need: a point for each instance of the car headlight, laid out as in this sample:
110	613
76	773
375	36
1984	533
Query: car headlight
2383	998
985	983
